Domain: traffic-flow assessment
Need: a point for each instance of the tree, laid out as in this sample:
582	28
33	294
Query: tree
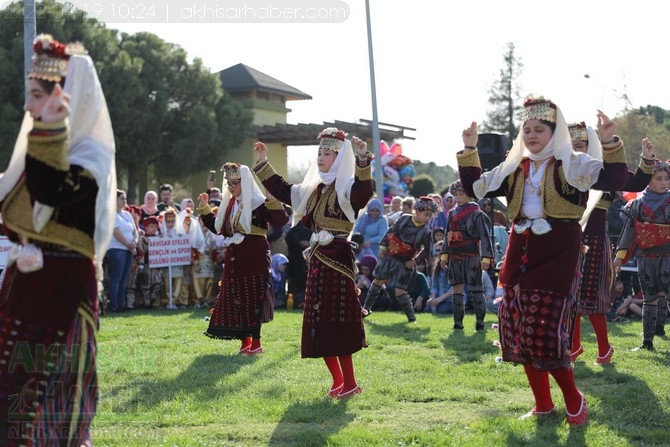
440	175
422	186
504	98
636	124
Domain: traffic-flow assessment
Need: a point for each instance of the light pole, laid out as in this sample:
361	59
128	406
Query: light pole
379	173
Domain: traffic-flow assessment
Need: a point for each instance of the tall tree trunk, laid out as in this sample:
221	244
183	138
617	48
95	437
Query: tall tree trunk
133	172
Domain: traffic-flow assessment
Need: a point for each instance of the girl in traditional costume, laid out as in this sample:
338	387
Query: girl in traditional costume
337	186
245	301
58	201
546	185
596	282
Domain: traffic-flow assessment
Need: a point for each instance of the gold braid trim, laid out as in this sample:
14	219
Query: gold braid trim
363	173
645	167
553	204
335	265
469	160
202	211
264	170
326	215
52	150
514	207
255	231
18	217
274	204
614	152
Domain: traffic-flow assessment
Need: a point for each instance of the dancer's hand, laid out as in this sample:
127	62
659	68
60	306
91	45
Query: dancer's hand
261	152
57	107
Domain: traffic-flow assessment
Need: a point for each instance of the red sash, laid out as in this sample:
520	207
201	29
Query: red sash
396	247
649	234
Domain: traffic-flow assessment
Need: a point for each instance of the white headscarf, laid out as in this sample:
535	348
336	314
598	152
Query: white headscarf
250	198
595	150
178	229
581	170
195	233
91	147
341	172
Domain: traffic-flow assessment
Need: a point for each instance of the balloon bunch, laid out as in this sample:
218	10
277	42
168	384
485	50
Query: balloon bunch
398	170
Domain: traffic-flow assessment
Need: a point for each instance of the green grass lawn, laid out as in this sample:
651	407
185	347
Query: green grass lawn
163	383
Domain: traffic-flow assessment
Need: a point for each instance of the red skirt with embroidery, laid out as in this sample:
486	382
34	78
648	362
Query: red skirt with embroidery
332	324
245	299
37	310
536	321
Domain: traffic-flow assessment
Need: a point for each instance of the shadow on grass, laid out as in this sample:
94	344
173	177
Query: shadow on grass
411	332
468	345
311	424
626	403
195	380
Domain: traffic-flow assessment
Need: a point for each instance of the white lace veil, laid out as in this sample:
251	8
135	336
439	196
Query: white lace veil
341	172
251	198
581	170
91	147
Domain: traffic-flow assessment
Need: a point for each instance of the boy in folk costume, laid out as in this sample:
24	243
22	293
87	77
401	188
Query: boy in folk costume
151	281
646	233
404	246
464	255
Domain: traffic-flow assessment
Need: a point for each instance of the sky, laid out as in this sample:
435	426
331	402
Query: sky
434	62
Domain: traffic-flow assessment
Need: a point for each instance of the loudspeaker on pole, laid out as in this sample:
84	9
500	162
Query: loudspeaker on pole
492	148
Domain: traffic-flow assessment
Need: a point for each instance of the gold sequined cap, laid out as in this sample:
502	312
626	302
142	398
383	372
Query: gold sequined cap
51	58
578	132
331	138
231	171
539	109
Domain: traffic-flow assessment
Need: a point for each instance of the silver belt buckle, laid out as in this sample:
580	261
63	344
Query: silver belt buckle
236	239
540	226
522	225
323	237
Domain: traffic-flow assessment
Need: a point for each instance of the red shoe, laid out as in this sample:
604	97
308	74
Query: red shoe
534	412
334	391
581	418
352	392
258	350
576	354
607	358
246	346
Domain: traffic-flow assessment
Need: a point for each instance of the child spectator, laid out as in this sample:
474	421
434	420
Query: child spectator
646	233
278	266
151	278
170	227
203	270
405	245
419	291
621	300
466	253
440	300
